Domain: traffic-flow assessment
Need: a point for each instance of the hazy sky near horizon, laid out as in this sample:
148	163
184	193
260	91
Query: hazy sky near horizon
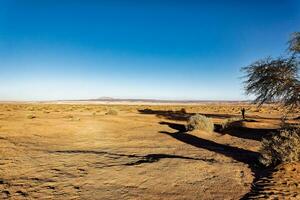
180	49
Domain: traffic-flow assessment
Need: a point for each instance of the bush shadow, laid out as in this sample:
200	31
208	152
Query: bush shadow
180	115
238	154
237	129
183	116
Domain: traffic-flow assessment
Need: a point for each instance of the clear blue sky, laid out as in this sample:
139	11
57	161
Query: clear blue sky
176	49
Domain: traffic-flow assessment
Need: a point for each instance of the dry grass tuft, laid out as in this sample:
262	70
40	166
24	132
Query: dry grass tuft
231	123
282	147
111	112
183	110
31	116
200	122
69	116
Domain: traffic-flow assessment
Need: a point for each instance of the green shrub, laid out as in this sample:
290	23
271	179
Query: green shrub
200	122
282	147
112	112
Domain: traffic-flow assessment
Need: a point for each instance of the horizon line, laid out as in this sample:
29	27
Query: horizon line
110	99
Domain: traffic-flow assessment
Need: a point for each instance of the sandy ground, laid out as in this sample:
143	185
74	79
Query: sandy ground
80	152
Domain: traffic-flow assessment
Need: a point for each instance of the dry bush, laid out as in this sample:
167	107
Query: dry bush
69	116
30	109
72	117
88	108
282	147
200	122
111	112
231	123
183	110
31	116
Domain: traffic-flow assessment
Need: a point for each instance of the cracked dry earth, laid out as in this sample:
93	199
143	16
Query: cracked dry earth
77	154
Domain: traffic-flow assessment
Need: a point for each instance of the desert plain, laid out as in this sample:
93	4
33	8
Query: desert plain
110	151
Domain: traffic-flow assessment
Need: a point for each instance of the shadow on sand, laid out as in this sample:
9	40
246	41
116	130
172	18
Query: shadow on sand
238	154
241	155
237	131
180	115
183	116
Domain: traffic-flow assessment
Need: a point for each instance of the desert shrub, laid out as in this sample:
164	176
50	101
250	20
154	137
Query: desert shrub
69	116
30	109
231	123
72	117
183	110
200	122
112	112
31	116
282	147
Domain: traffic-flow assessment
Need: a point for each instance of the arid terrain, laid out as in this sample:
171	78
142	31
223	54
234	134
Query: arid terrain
86	151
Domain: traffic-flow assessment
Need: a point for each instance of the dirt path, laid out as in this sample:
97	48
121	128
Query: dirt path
283	182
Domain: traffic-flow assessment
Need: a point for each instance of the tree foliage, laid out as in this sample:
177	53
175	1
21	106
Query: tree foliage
294	43
276	79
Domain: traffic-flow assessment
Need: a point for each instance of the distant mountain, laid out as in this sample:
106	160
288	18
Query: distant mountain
104	98
110	99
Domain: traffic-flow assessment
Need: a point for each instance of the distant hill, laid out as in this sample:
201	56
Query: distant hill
110	99
104	98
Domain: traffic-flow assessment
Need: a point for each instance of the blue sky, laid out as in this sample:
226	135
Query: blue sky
180	49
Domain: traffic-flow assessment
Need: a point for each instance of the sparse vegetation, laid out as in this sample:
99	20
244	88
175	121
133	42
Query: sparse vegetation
112	112
277	80
183	110
282	147
231	123
200	122
30	109
31	116
77	131
69	116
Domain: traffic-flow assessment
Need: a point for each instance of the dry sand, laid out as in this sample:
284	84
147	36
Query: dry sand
76	151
